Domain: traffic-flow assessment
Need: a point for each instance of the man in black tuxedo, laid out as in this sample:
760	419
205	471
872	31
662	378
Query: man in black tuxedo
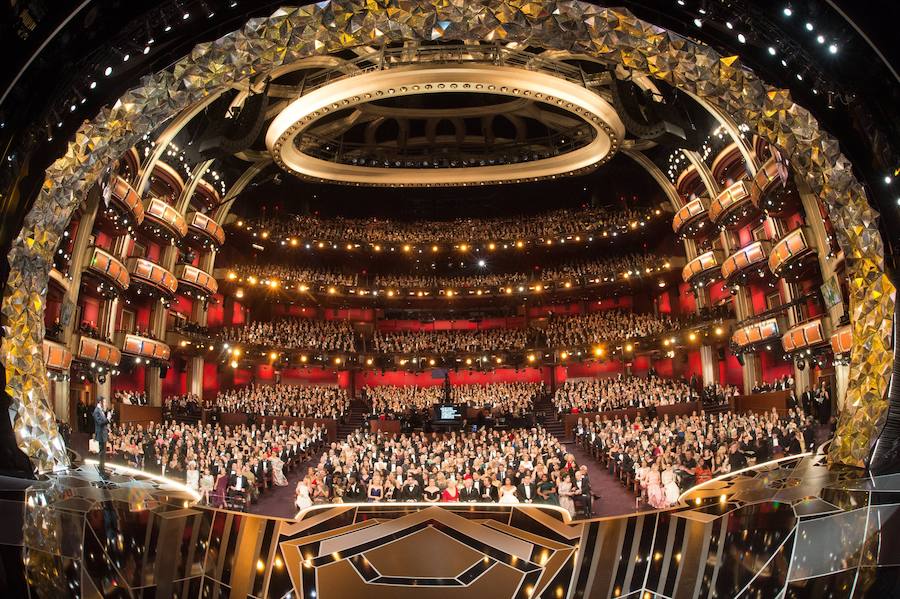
410	491
101	429
355	492
583	489
526	491
468	493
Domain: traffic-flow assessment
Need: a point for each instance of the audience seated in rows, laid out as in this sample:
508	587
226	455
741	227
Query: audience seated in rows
410	342
785	383
183	407
294	333
548	225
607	325
660	458
513	400
228	465
717	394
516	466
619	392
134	398
299	401
609	268
292	275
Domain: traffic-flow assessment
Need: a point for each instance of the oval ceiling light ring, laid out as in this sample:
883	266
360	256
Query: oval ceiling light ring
301	114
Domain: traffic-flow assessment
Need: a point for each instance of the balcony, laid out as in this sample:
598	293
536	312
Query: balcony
206	195
204	230
807	335
56	356
153	276
163	221
110	275
94	350
732	208
842	340
125	203
195	282
142	348
758	333
771	192
703	269
748	261
692	219
793	256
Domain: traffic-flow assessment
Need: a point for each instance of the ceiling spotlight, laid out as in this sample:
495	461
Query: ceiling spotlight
809	26
820	39
788	11
771	50
742	38
887	179
729	25
698	22
185	16
107	71
833	48
93	85
481	263
125	57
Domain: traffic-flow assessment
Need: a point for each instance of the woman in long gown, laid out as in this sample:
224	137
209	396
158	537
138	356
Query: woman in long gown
303	500
564	489
508	492
670	485
431	493
546	490
656	494
451	493
278	477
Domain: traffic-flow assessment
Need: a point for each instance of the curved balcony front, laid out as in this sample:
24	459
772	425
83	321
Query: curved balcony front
110	274
692	219
153	276
771	191
748	261
162	220
143	347
752	335
127	202
56	356
732	208
842	340
205	230
194	281
703	269
94	350
793	256
205	194
805	336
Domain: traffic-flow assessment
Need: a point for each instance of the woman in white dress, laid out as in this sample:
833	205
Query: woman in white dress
565	491
669	484
278	477
508	492
303	500
192	476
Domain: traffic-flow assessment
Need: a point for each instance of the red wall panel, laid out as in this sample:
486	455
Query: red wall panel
686	300
215	313
448	325
463	377
133	381
210	379
90	310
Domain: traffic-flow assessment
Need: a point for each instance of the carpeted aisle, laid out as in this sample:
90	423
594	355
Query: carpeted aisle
614	498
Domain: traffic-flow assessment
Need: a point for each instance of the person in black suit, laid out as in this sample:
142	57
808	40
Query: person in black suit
411	491
355	492
527	491
101	429
583	490
468	493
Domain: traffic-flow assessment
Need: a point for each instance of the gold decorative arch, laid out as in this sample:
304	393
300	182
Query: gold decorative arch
615	36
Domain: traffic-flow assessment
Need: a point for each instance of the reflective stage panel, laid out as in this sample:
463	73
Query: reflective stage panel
790	529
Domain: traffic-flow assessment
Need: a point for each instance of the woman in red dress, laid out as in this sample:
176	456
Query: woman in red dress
451	493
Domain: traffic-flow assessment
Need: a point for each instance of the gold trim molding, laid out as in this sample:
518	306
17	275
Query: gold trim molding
614	36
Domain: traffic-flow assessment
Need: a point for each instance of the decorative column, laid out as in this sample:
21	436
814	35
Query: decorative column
709	364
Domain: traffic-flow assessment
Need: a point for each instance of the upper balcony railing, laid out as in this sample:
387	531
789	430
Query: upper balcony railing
205	229
771	191
806	335
56	356
793	253
732	207
126	199
703	268
164	219
194	281
109	270
94	350
757	333
142	348
692	219
156	276
749	258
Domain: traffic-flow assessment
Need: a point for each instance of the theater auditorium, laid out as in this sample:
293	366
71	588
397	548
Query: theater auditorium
526	299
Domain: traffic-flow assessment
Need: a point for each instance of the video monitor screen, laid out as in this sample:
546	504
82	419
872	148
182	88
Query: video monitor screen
447	413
